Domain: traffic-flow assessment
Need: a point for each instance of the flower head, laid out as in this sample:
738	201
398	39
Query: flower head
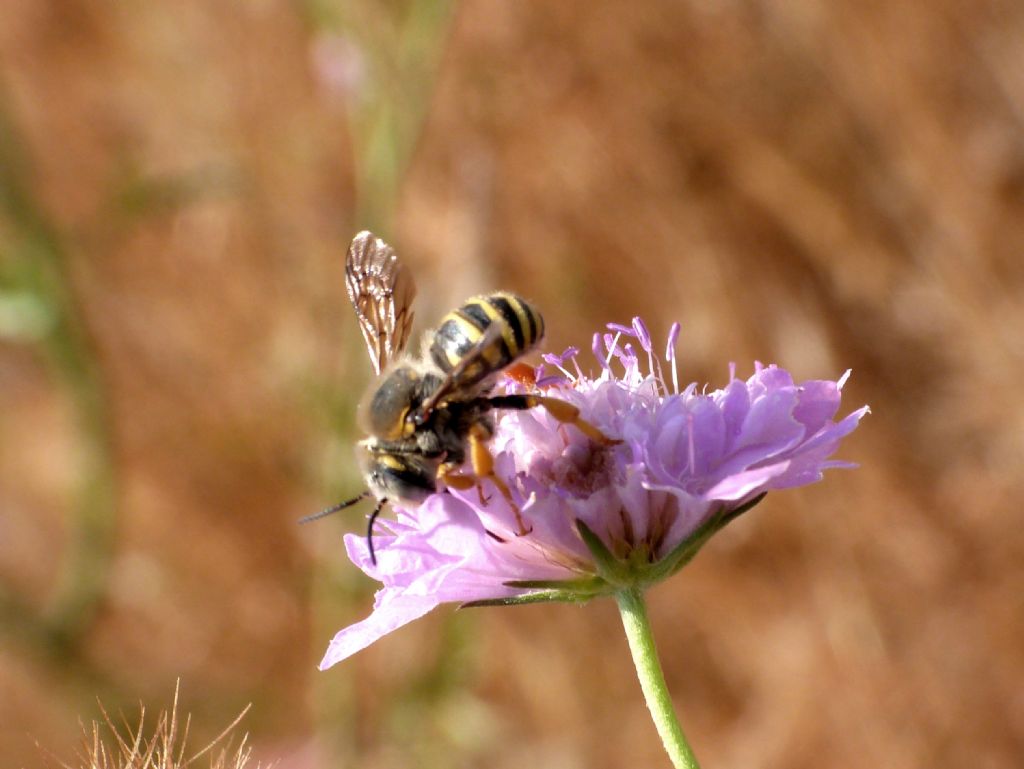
602	518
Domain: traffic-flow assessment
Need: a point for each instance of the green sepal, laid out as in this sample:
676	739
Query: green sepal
584	585
684	552
681	555
541	596
610	569
732	515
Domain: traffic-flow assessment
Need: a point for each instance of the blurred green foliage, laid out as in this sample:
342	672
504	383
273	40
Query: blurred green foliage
398	46
38	309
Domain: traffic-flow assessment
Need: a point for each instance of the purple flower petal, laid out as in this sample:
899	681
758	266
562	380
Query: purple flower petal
745	484
387	617
819	402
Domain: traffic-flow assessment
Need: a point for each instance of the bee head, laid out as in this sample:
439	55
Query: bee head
385	413
403	477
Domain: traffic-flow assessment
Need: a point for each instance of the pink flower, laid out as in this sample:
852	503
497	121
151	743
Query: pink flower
602	518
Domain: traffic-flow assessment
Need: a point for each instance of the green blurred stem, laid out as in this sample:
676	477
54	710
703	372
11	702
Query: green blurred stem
37	257
652	679
388	123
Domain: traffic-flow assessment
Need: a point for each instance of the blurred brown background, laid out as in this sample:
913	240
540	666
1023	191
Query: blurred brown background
821	184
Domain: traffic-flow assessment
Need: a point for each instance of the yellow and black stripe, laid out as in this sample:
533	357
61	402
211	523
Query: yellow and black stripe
461	331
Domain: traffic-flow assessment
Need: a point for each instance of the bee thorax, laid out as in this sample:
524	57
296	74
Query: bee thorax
393	398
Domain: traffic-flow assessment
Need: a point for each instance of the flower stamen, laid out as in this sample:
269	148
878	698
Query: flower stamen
558	362
644	338
613	349
576	363
670	354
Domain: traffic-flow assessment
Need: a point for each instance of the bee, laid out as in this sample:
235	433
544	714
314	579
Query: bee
425	417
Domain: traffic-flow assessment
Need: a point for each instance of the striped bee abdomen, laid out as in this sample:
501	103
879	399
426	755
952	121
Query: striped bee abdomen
461	330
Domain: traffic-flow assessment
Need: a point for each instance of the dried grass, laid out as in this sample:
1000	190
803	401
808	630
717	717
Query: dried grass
110	746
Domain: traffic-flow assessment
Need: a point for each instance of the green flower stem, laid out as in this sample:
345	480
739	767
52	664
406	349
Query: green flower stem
652	680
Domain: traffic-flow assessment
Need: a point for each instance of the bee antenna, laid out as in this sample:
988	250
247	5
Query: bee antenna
369	530
335	508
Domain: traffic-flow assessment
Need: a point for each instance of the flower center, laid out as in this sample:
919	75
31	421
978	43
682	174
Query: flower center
581	470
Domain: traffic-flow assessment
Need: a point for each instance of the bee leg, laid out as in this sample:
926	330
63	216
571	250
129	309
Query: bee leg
561	410
483	469
462	481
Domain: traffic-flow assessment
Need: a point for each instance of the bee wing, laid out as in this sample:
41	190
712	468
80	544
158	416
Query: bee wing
381	291
452	380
